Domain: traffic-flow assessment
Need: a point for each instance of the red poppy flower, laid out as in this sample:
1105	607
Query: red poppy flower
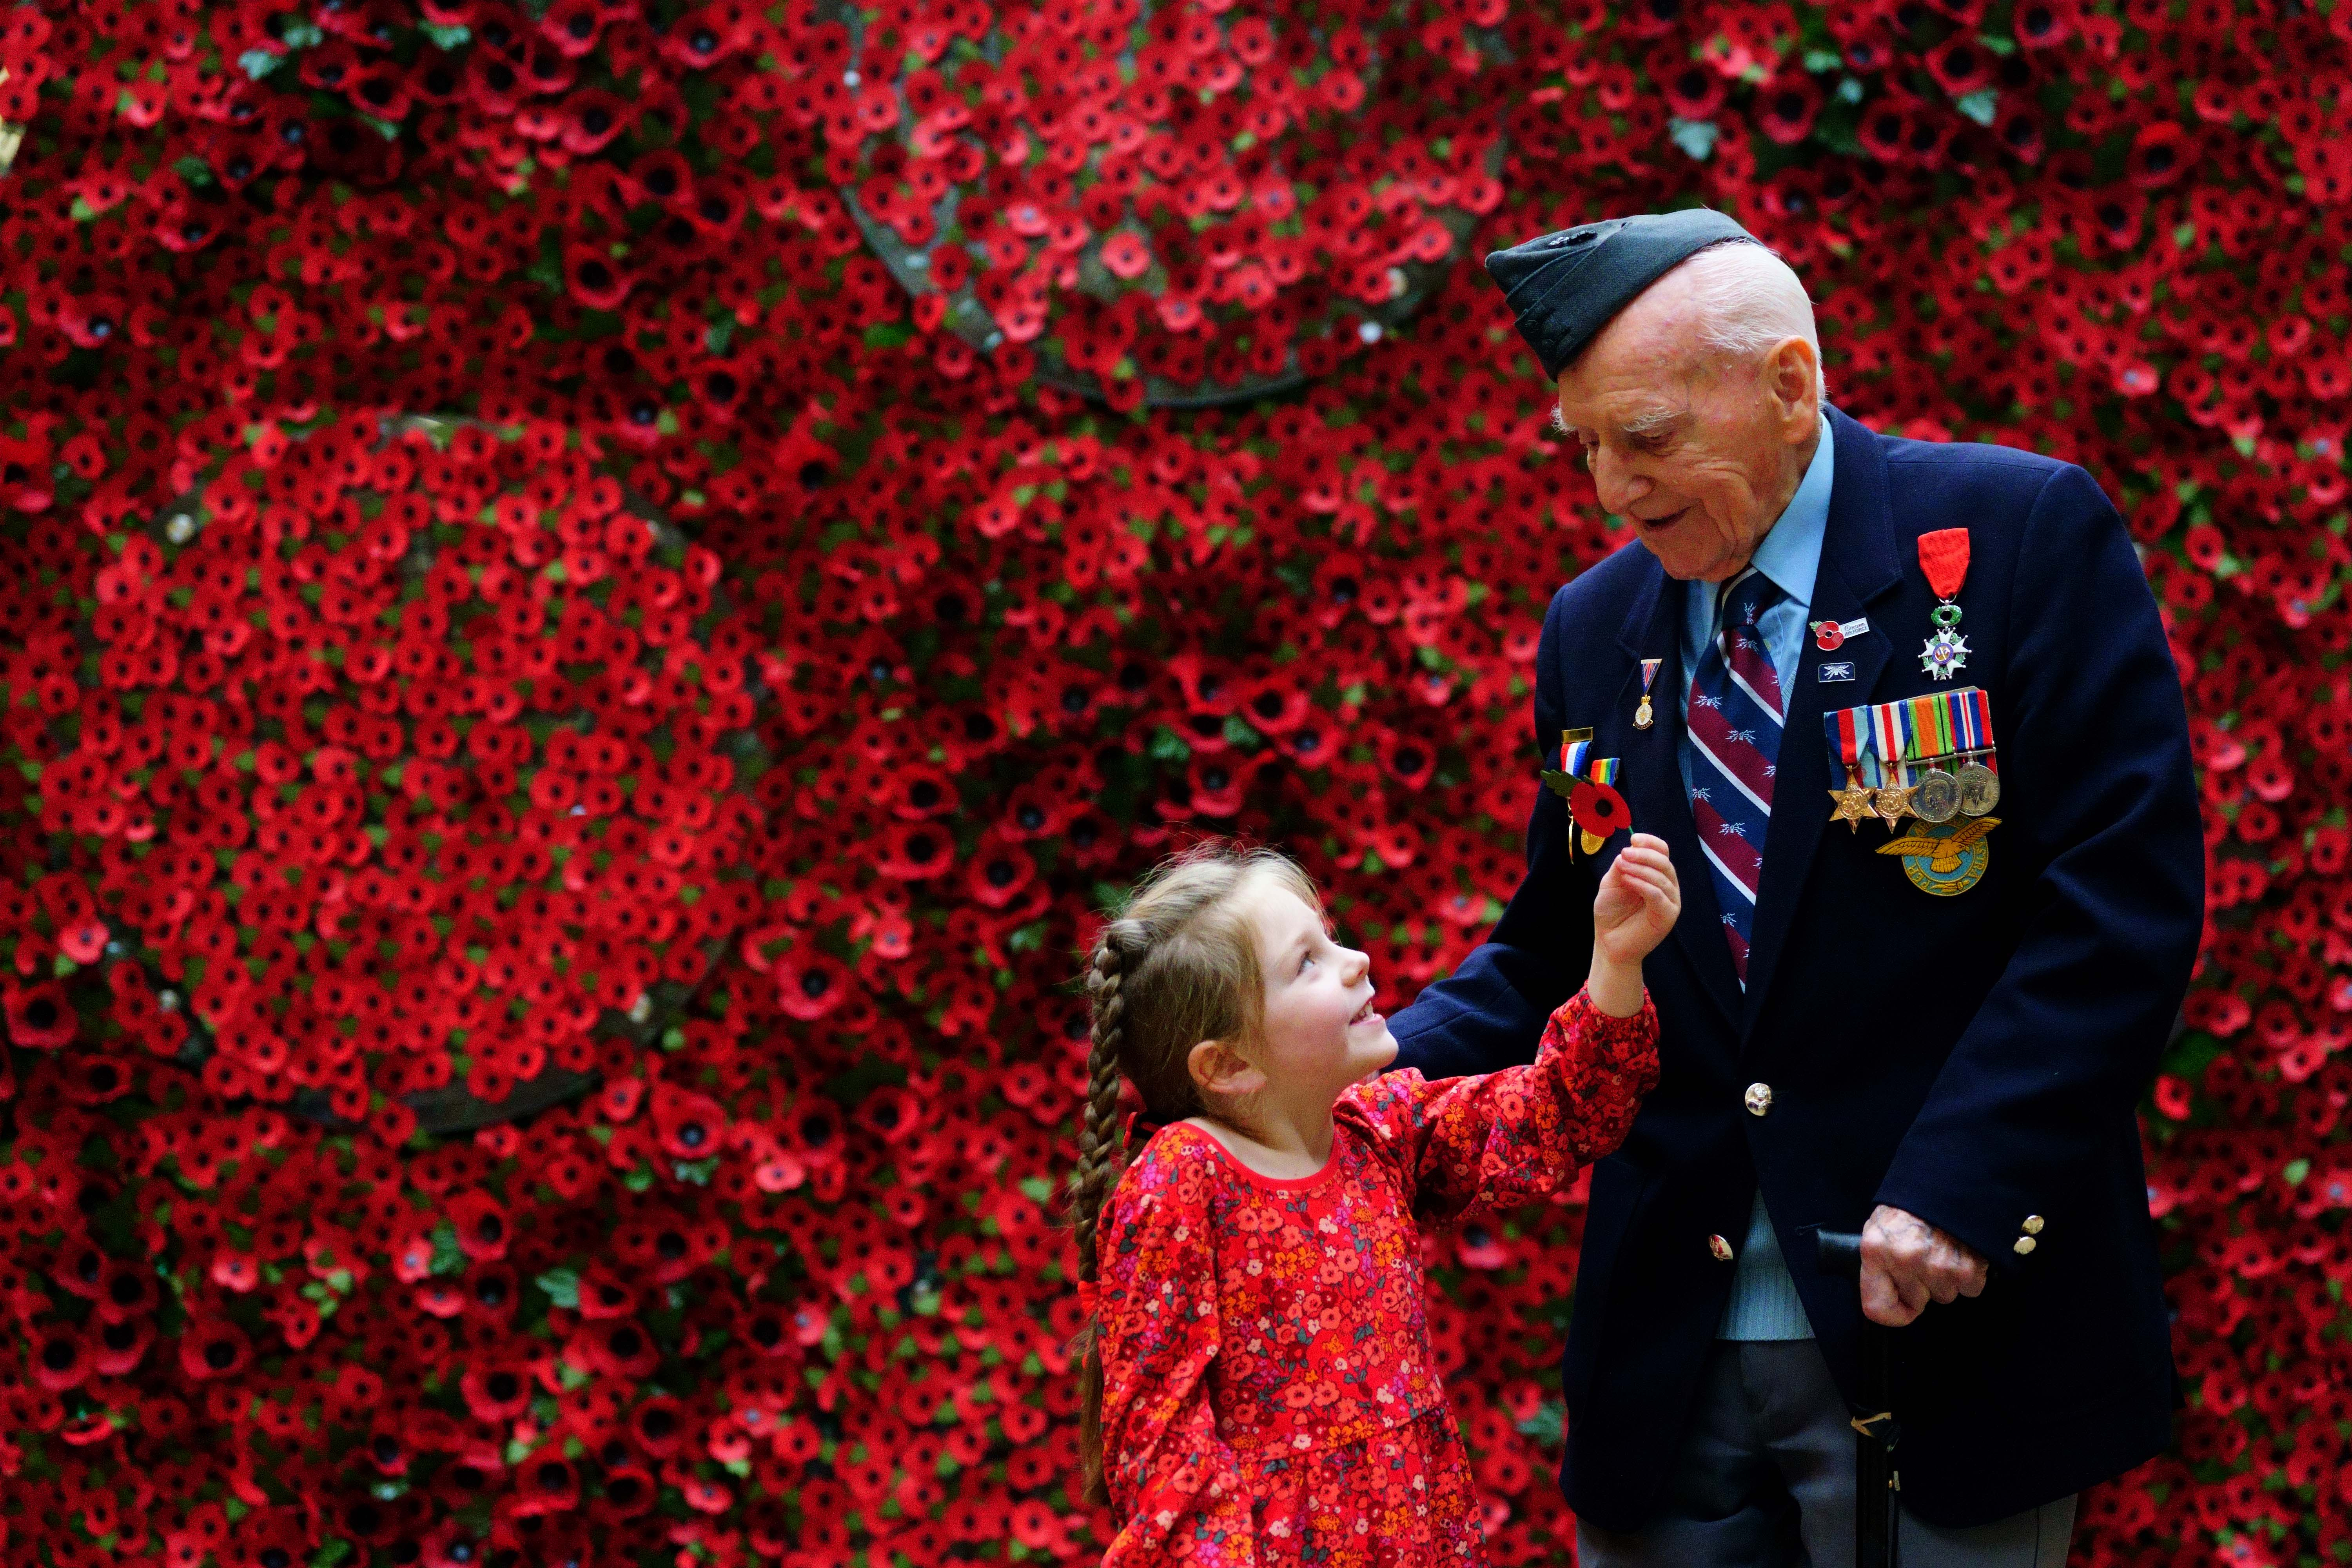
214	1348
595	280
481	1223
499	1391
2161	155
117	1347
997	872
39	1017
605	1294
1786	107
691	1126
2045	24
621	1347
809	984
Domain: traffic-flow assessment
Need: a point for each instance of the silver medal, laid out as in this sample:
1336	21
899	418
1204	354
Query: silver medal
1937	798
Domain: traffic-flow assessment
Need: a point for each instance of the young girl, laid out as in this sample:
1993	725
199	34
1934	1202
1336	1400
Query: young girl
1258	1384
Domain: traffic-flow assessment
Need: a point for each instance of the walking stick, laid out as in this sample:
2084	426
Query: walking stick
1876	1516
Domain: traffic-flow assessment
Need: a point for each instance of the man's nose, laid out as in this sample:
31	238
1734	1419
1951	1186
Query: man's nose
1616	485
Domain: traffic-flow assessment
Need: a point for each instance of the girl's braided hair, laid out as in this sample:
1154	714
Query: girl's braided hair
1179	965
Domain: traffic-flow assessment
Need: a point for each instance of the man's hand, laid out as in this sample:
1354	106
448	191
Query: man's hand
1906	1263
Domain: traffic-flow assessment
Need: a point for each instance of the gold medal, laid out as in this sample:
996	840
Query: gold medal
1641	715
1892	801
1851	804
1936	797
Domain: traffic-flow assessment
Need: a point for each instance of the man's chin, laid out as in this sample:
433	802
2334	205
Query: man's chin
1673	547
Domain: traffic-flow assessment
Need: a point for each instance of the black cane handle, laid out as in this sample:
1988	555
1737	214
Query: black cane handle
1840	1252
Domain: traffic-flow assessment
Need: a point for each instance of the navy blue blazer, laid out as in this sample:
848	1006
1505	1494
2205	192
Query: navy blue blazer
1975	1060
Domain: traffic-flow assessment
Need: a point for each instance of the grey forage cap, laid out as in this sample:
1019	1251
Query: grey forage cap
1564	287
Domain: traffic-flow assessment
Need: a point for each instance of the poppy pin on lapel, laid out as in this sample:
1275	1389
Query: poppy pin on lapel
1589	785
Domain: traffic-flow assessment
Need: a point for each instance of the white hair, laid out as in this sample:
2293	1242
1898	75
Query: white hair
1749	300
1746	299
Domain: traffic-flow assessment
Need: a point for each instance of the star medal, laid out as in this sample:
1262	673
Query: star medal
1891	800
1641	716
1979	786
1851	804
1944	557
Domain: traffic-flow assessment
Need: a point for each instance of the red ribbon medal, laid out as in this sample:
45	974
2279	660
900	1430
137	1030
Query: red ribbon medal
1944	557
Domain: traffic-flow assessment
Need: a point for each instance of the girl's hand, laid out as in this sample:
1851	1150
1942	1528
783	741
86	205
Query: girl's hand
1639	902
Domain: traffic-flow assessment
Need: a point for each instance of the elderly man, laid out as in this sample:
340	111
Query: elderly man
1836	665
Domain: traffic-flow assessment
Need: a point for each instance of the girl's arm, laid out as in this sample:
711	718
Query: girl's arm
1176	1488
1513	1136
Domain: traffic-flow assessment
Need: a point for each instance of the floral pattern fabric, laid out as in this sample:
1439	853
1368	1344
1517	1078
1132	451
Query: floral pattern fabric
1269	1392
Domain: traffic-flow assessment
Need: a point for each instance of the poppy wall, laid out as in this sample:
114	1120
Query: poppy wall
595	593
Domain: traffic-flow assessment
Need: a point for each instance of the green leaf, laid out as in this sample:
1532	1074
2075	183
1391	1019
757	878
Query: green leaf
1548	1426
259	63
1695	137
447	1257
1980	105
1820	60
447	38
1996	43
563	1287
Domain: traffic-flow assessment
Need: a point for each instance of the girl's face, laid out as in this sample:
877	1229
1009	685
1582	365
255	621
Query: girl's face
1321	1032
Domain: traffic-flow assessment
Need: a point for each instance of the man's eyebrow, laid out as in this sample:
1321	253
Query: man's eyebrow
1651	423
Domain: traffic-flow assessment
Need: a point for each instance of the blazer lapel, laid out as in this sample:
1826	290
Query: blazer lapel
1858	567
1651	779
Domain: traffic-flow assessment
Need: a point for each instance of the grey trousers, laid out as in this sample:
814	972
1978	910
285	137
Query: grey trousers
1765	1480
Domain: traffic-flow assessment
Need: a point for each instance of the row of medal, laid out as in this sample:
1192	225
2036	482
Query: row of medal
1930	757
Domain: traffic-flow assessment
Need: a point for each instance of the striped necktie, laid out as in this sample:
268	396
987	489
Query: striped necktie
1734	734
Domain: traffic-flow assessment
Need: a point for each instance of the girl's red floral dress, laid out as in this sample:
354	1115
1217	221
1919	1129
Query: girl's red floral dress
1268	1393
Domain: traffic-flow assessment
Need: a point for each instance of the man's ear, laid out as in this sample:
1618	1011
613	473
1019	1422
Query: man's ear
1217	1068
1792	380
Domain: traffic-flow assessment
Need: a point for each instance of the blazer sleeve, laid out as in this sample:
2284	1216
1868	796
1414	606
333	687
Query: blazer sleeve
1175	1486
1490	1011
1519	1133
2095	762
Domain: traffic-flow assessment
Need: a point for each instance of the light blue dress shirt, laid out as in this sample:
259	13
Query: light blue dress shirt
1764	1304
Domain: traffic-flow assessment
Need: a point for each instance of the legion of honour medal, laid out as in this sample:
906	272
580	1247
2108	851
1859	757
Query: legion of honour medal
1944	557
